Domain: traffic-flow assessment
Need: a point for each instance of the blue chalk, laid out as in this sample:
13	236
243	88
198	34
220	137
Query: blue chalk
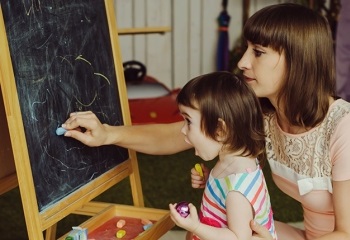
147	226
60	131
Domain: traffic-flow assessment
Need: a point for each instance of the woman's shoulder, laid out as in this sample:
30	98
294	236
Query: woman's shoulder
338	115
340	103
338	111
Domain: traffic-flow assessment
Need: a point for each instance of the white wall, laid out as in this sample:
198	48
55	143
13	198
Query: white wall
189	49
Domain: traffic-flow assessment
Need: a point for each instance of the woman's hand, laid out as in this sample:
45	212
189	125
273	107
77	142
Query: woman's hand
259	232
198	181
86	128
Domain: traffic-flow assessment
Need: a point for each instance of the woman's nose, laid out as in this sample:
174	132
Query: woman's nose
243	62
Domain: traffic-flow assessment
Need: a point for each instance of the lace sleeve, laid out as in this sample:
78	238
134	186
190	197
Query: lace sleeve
340	150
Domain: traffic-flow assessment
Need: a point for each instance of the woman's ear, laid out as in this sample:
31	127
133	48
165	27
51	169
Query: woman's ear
221	130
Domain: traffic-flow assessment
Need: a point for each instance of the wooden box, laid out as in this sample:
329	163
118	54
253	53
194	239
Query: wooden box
103	225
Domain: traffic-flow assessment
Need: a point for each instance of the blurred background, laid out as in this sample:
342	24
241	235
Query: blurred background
178	39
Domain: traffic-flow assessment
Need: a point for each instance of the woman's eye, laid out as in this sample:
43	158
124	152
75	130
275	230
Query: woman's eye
257	52
188	121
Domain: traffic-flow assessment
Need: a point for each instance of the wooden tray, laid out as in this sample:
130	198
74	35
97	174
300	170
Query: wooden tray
103	225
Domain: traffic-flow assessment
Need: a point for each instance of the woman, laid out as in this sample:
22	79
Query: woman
289	63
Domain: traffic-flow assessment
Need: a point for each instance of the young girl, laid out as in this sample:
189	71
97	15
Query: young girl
223	118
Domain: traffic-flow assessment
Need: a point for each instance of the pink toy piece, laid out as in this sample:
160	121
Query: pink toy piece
145	221
182	208
121	223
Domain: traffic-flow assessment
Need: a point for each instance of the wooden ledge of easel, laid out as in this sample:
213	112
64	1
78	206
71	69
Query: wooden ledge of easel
92	208
145	30
8	183
105	211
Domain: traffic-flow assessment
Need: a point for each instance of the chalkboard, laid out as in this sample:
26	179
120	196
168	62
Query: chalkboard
62	62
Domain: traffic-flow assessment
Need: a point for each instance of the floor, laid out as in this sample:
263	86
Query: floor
174	235
180	235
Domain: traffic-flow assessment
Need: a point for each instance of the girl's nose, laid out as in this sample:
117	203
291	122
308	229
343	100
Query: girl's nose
183	129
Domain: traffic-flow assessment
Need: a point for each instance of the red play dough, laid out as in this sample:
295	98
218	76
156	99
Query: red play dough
108	230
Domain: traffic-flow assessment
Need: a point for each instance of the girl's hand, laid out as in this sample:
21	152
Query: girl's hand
198	181
260	232
86	128
190	223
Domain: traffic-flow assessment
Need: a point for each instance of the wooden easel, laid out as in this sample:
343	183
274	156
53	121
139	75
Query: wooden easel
8	177
78	202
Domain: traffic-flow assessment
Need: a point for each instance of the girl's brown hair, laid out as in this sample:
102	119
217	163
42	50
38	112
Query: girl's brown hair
223	95
305	38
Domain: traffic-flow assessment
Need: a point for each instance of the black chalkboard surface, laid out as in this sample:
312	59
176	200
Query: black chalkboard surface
62	62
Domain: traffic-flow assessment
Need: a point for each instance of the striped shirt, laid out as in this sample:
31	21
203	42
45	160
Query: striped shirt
251	184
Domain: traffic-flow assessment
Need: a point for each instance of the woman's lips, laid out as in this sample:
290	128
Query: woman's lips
248	79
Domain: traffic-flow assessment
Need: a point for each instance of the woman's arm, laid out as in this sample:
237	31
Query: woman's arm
149	139
284	231
341	197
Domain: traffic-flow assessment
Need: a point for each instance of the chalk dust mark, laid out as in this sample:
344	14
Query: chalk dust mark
44	42
80	57
99	74
65	59
55	158
93	176
87	19
34	6
73	148
62	163
32	112
39	80
83	59
89	104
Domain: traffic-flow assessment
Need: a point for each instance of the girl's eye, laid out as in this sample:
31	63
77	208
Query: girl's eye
257	52
188	121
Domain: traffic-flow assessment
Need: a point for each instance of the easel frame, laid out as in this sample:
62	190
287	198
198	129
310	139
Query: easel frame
37	222
8	176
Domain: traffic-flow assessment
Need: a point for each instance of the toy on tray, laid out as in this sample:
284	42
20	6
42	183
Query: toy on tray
77	233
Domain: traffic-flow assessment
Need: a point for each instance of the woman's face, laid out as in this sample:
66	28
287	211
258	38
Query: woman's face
205	147
263	68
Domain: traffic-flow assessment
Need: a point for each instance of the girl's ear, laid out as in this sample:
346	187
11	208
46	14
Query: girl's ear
221	131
